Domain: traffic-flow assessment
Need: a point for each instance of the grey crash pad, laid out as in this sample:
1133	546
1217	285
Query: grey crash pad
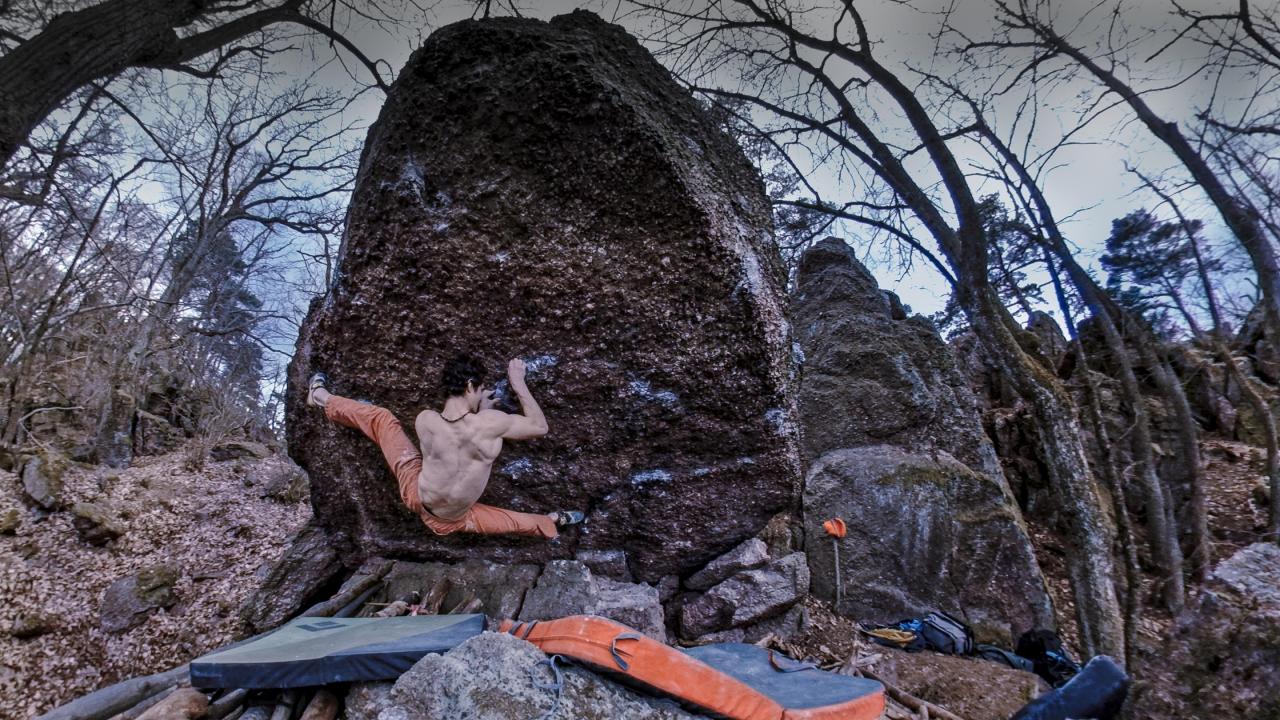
319	651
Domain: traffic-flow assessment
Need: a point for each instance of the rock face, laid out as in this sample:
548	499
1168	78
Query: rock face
897	450
496	677
309	565
500	588
924	534
1222	659
545	190
873	376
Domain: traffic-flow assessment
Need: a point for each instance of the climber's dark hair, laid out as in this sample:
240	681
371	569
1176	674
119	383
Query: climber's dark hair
460	370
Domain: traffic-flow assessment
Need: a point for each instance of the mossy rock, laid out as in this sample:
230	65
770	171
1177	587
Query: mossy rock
9	521
95	523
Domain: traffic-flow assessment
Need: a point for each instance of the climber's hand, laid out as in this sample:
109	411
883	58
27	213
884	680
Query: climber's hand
515	372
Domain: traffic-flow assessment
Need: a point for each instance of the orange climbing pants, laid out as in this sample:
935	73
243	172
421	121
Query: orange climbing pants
405	461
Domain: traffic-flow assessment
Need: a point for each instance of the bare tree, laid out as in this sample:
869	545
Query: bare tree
48	60
823	84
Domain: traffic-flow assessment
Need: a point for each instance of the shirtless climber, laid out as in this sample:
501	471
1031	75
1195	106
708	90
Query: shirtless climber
459	444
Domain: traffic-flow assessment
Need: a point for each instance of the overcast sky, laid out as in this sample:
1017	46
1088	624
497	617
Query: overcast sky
1090	186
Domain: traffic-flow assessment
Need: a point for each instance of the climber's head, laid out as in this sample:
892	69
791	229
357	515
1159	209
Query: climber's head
463	376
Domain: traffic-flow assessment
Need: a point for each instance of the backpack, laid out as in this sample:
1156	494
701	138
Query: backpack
1003	657
1044	649
945	634
936	631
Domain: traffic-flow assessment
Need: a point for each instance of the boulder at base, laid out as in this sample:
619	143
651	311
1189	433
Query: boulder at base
495	676
925	533
545	190
1222	659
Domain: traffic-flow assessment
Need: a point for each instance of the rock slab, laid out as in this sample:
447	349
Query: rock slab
545	190
310	564
1222	659
568	587
494	676
129	600
924	533
748	597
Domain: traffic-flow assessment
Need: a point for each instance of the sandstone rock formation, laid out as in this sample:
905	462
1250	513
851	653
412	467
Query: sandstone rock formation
897	450
545	190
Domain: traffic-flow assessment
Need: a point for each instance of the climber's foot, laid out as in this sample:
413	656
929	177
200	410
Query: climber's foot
317	394
567	517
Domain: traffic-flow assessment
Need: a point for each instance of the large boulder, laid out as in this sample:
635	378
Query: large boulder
924	533
494	676
1222	659
873	376
546	190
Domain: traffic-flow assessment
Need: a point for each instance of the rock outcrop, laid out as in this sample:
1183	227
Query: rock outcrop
1222	659
308	566
898	451
925	533
747	597
872	375
545	190
567	587
131	599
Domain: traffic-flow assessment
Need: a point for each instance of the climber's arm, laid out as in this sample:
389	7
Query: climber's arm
530	423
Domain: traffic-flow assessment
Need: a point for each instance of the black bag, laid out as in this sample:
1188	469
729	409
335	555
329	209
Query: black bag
1004	657
945	634
1044	649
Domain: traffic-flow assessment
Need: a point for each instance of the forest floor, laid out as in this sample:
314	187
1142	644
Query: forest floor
219	535
205	523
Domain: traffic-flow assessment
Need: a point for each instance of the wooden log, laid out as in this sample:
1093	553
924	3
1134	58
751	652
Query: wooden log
226	704
352	589
469	604
324	706
434	598
353	607
102	704
395	609
258	712
181	704
133	712
284	706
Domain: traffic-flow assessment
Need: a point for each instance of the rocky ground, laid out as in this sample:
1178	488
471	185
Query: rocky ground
195	539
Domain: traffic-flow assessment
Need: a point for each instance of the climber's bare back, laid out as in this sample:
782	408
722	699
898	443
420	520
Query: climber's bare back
458	452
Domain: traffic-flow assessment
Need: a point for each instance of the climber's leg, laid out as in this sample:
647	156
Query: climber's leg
380	426
488	520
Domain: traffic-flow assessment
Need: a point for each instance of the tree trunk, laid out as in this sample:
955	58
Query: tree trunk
76	48
1089	532
1107	460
